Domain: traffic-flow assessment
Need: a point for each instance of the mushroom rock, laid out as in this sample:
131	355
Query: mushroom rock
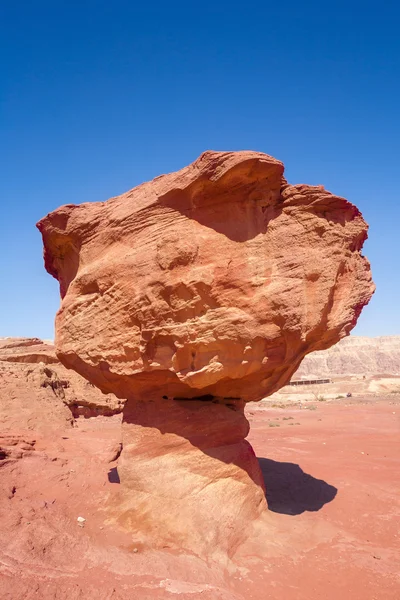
189	296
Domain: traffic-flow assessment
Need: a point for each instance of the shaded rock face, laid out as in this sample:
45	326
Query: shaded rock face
207	286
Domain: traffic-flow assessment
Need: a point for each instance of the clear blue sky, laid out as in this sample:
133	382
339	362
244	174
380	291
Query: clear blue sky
97	97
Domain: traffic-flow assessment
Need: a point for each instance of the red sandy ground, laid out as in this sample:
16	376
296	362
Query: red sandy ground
321	544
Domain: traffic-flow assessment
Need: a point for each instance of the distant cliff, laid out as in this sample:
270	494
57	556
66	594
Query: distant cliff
355	356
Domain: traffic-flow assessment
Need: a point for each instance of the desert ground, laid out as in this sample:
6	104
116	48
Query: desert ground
331	466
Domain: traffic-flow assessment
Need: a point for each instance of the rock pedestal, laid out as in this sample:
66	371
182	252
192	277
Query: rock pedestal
189	479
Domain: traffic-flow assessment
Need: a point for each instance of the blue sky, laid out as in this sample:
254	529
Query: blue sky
96	97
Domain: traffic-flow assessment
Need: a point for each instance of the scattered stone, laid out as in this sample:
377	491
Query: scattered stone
111	453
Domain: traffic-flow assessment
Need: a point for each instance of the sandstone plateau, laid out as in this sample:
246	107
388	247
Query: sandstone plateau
355	355
189	296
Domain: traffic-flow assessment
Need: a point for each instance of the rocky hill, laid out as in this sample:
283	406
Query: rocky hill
355	355
36	390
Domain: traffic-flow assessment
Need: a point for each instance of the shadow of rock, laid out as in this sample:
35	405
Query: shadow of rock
290	491
113	476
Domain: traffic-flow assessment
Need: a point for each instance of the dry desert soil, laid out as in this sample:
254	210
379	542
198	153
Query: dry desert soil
332	474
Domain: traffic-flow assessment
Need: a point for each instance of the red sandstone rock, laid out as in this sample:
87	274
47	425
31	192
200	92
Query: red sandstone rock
189	479
217	279
190	295
37	392
27	350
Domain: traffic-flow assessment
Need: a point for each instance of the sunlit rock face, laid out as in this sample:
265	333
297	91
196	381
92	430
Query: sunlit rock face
217	280
191	295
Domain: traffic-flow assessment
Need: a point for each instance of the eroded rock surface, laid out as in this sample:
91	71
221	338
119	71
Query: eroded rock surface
216	279
179	456
209	286
38	392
